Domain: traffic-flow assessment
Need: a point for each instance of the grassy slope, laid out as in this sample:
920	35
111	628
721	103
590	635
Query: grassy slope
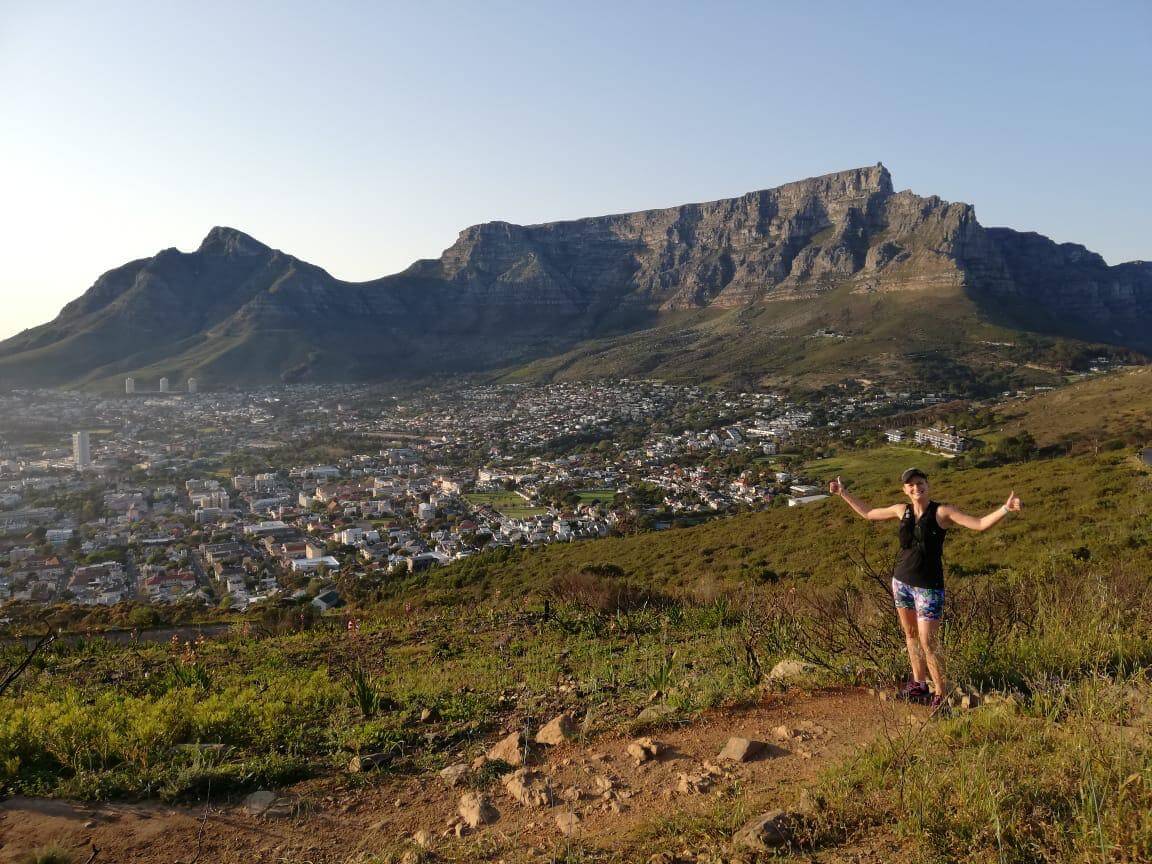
773	342
98	720
1095	502
1114	405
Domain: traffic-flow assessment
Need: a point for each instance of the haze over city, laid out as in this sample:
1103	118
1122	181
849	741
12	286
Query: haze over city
362	137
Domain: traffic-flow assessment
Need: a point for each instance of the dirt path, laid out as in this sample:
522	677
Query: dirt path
336	820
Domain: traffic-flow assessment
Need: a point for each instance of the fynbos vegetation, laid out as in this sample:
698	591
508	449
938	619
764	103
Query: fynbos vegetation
1050	622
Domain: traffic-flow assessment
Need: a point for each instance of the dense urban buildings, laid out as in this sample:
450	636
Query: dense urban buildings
233	498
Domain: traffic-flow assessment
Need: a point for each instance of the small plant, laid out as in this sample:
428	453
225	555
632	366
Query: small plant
366	693
661	679
491	771
744	663
193	674
53	854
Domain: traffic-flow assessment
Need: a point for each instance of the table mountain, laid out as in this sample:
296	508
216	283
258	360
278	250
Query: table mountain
729	288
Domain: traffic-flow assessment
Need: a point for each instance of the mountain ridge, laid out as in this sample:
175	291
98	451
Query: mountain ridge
844	247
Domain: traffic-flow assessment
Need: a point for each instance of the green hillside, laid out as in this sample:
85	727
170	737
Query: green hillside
1049	609
939	339
1084	505
1096	410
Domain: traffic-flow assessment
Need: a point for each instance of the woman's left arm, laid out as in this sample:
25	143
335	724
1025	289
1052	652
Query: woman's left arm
947	515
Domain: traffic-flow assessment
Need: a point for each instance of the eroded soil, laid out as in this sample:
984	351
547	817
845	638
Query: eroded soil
626	811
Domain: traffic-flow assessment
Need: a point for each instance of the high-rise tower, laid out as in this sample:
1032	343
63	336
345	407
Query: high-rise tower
81	453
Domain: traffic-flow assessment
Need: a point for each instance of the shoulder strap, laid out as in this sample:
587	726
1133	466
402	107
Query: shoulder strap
932	508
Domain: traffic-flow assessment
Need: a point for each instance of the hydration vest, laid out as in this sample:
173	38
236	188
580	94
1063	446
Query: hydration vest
921	559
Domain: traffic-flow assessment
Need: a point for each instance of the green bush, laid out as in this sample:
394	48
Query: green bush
130	741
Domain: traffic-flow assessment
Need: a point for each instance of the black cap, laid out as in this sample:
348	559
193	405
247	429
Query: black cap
907	476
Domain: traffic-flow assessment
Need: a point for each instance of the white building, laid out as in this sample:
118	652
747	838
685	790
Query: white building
263	528
307	565
805	499
129	385
350	536
211	498
192	385
163	385
803	490
209	514
80	450
942	439
57	536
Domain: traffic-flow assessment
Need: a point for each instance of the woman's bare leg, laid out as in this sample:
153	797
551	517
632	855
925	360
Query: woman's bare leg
912	643
929	632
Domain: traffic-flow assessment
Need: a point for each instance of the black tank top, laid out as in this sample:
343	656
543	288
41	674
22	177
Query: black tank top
921	559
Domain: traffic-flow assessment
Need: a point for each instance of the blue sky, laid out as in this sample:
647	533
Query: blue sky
361	136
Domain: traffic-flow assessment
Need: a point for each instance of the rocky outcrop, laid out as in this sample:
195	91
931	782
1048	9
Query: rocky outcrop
776	243
1081	293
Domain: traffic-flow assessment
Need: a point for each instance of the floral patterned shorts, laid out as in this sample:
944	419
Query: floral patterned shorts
928	602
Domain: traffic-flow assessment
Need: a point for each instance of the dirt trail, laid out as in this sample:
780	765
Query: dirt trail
335	820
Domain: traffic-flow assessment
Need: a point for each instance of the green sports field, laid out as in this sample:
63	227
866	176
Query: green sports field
506	503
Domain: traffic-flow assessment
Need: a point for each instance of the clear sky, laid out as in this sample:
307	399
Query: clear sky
361	136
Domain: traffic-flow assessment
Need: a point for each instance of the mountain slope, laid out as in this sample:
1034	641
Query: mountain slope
725	289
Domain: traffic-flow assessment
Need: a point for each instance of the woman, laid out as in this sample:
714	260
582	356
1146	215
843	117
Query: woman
918	578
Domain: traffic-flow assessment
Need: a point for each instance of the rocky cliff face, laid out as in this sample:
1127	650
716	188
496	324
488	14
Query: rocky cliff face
797	241
1075	286
788	242
503	293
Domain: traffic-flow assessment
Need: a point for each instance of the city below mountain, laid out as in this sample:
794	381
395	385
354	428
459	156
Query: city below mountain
816	281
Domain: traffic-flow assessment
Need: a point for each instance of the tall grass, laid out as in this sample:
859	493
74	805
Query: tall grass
1006	630
1061	771
995	785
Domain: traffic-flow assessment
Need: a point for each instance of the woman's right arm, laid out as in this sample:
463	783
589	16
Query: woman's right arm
873	514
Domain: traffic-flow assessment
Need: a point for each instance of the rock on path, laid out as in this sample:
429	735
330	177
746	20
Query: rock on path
510	750
557	730
476	810
740	750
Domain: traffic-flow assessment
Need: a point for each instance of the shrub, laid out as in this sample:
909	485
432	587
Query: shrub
53	854
143	616
605	595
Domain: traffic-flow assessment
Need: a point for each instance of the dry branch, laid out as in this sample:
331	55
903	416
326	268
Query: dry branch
47	639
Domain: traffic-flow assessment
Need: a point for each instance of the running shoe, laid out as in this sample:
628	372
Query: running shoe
914	691
939	706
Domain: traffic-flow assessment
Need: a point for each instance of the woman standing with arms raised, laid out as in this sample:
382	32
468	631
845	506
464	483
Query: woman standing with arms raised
918	578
